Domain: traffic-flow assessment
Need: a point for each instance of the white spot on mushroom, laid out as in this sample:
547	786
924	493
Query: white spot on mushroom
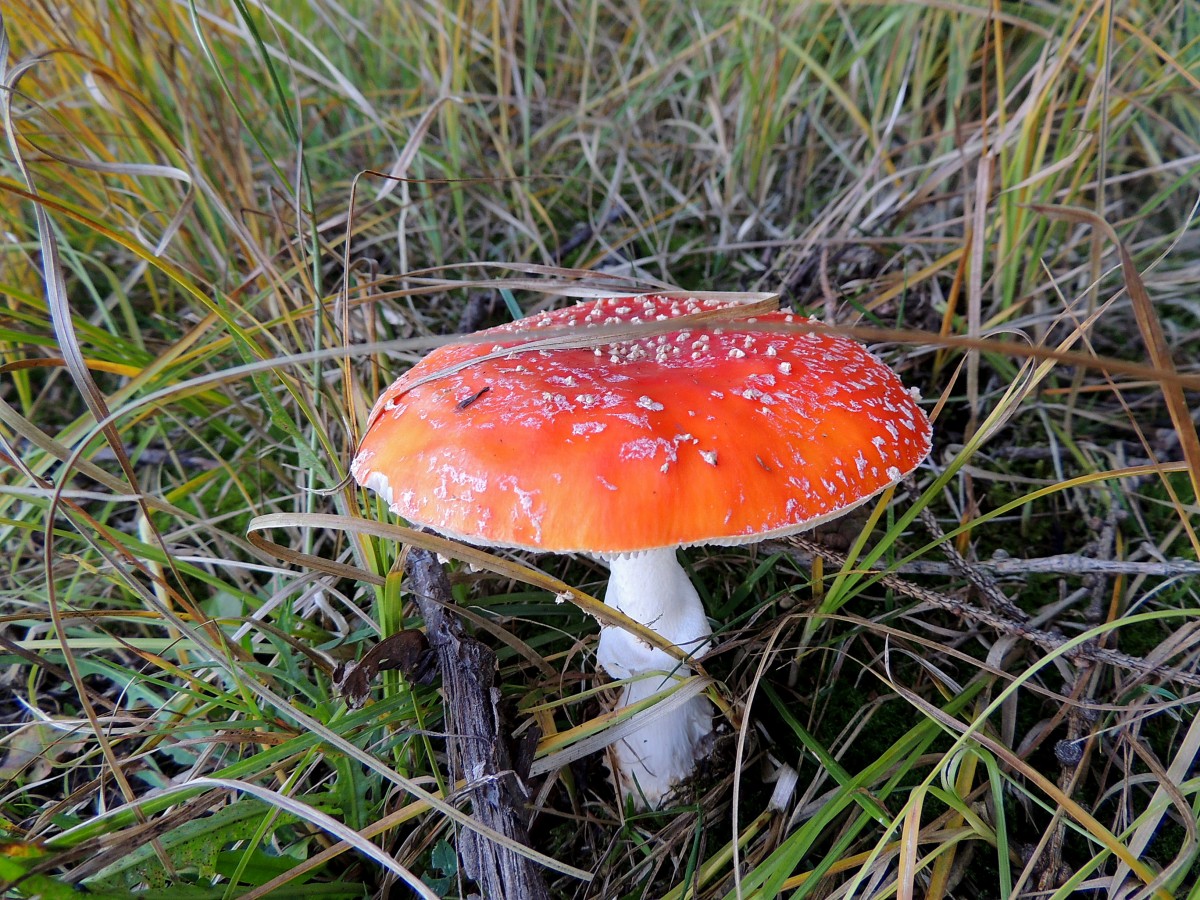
531	510
634	419
709	456
648	448
378	482
646	403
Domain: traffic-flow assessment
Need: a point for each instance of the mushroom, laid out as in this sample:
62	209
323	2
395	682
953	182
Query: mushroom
720	430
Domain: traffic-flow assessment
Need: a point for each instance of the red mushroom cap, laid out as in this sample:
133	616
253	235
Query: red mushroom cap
721	432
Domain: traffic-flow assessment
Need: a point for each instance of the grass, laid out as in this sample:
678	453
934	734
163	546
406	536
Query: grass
226	227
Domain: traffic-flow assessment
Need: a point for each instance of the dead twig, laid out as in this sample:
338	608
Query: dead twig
983	581
477	750
1004	566
1086	653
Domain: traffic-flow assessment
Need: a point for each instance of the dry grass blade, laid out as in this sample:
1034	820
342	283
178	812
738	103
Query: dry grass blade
1020	628
560	590
1166	795
567	338
739	306
323	821
1094	827
68	344
1150	326
606	729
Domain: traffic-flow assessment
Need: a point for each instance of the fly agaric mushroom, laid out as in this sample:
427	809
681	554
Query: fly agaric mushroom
724	430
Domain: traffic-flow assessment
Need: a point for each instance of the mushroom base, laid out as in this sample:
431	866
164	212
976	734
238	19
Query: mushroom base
653	589
649	763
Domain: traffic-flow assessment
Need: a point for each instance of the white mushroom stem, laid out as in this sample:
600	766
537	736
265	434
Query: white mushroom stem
652	588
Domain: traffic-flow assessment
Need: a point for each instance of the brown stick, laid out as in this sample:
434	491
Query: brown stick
477	751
